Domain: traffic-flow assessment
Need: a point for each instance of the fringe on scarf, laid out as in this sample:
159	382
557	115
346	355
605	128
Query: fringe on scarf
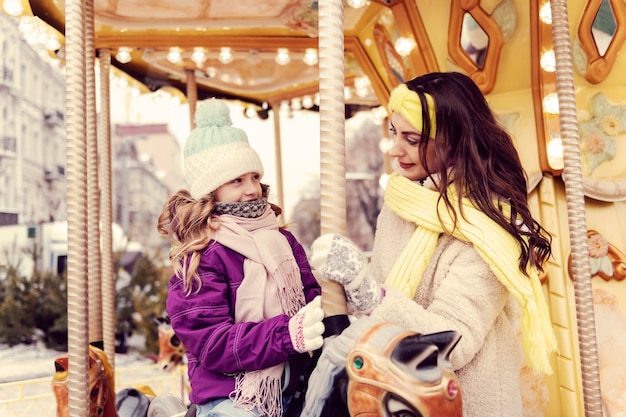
289	286
536	326
258	390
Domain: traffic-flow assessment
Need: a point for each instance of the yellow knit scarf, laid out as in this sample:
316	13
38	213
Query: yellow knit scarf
498	248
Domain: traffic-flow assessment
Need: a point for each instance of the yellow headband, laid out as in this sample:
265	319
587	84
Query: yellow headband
407	103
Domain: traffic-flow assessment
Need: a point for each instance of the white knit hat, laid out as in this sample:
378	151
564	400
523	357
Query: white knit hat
216	152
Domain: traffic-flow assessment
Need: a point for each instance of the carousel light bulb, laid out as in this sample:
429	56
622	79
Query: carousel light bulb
174	55
199	55
555	151
357	4
53	44
13	7
250	112
545	13
122	82
379	114
310	57
551	103
307	102
385	144
548	61
362	86
123	55
382	181
226	55
404	46
211	72
347	93
282	56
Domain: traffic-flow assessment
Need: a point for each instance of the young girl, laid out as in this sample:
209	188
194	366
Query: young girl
243	299
455	244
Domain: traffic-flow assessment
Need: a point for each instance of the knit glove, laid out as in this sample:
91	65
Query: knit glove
306	327
340	260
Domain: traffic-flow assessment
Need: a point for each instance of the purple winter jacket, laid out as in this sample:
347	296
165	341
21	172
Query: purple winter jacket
217	347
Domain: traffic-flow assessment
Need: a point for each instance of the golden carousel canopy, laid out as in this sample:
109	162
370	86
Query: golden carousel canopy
259	52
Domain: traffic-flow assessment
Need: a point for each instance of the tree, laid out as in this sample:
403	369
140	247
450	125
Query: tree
142	298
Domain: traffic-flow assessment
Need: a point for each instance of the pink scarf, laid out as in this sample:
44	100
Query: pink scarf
271	274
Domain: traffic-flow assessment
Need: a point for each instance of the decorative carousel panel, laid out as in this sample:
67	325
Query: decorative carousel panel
602	132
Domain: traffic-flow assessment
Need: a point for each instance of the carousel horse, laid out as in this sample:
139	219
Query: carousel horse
101	385
171	349
380	369
369	368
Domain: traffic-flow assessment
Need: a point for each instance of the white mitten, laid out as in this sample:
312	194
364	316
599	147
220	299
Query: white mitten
340	260
306	327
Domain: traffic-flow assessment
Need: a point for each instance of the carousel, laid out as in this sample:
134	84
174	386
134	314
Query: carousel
551	70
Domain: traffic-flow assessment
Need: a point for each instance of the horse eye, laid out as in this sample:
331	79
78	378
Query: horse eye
175	340
396	407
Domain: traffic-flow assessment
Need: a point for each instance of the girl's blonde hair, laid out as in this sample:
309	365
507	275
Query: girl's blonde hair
189	224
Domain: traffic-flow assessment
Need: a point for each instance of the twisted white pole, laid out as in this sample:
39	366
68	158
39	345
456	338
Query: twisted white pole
572	177
106	208
93	191
77	304
332	118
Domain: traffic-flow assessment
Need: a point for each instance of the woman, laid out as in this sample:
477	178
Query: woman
456	245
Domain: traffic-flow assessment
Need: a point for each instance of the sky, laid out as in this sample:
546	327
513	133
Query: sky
299	134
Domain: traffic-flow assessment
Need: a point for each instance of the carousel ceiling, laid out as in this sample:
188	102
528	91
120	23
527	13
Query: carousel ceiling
260	52
266	52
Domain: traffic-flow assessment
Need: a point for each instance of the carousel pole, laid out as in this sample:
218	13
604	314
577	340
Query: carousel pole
77	289
572	177
93	261
279	159
192	97
332	118
106	209
332	143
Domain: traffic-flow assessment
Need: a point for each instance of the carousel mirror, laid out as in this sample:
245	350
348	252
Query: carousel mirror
474	40
604	27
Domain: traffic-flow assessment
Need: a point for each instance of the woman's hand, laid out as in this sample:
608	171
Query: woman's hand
340	260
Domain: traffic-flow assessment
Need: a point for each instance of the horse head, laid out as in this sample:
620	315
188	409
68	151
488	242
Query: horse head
101	385
171	349
379	369
394	372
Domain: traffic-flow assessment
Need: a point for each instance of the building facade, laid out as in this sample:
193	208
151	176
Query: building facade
32	131
147	158
147	170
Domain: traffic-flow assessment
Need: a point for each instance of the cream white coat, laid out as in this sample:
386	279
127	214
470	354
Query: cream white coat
457	292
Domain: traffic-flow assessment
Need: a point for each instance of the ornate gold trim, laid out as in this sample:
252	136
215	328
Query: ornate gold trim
484	77
599	66
392	61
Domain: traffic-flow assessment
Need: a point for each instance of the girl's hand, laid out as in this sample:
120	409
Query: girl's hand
306	327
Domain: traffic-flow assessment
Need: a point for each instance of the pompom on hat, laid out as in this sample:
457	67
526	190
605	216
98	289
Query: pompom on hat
216	152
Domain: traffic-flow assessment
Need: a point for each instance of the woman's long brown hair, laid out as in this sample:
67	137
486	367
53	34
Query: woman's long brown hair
476	155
